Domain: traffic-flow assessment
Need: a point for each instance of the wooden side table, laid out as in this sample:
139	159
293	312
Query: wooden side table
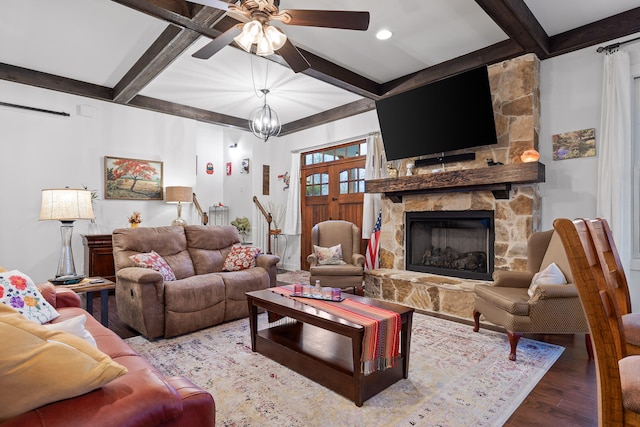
98	256
90	285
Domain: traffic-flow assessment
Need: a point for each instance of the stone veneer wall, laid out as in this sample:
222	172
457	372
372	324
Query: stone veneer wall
515	87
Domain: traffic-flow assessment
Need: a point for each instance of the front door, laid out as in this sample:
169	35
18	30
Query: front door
332	187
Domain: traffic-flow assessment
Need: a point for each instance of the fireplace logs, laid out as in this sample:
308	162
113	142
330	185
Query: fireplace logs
452	259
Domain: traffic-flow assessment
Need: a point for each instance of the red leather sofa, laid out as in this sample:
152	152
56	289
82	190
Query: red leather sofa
141	397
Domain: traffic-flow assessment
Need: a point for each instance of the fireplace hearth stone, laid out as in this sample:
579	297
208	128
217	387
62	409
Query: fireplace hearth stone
451	296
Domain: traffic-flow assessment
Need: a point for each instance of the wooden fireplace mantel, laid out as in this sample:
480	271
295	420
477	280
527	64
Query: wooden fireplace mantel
497	179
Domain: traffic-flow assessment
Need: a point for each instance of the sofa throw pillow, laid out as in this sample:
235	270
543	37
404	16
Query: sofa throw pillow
552	275
329	256
46	366
17	290
154	261
74	326
241	258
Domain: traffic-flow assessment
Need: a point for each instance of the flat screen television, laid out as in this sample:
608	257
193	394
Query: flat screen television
450	114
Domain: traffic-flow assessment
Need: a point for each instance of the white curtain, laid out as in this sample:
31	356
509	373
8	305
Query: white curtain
372	201
615	152
292	218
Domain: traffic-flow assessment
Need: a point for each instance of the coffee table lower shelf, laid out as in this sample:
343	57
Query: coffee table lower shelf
323	348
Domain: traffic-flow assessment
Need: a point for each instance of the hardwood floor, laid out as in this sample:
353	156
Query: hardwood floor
565	396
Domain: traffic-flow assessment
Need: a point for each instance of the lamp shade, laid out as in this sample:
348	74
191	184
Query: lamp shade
179	195
66	204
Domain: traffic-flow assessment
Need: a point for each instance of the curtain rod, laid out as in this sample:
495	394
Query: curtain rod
615	45
40	110
329	144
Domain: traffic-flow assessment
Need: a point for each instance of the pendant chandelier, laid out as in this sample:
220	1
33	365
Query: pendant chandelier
263	121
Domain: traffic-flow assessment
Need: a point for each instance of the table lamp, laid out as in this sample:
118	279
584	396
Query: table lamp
66	205
179	195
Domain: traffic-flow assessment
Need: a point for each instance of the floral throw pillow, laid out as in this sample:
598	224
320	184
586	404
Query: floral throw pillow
241	258
154	261
329	256
17	290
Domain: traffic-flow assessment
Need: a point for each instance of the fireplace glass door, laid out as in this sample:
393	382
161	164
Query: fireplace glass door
451	243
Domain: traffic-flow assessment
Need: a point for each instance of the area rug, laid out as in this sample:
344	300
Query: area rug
456	378
298	276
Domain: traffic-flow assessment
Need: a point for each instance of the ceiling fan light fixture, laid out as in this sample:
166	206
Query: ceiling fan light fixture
276	37
264	47
251	33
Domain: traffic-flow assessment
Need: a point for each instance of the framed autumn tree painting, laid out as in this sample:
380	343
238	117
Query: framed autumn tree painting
132	179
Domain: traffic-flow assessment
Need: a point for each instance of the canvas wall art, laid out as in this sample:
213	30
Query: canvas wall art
573	145
132	179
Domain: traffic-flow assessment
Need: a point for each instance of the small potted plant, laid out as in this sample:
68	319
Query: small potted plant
135	219
243	225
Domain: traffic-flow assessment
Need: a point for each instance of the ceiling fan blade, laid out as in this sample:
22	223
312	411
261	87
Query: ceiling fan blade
218	43
344	19
218	4
294	58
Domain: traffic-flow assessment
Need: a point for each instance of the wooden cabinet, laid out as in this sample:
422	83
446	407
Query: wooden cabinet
98	256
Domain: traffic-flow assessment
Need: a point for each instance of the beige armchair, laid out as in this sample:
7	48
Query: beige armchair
552	309
349	275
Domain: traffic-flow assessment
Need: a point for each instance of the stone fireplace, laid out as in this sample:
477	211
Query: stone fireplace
508	192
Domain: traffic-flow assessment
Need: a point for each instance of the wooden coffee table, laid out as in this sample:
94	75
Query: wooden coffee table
323	347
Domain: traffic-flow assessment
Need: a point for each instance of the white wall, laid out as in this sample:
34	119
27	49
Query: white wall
40	150
571	98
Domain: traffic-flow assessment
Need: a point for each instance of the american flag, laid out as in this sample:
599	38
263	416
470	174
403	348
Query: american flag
372	261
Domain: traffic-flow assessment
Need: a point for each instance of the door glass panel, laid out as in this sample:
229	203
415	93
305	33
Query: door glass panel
317	185
352	151
352	181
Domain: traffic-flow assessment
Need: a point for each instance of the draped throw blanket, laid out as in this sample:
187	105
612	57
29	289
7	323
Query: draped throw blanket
381	342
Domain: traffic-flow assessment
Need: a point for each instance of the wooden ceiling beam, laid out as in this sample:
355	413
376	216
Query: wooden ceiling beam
156	9
198	114
342	112
517	21
602	31
489	55
167	47
42	80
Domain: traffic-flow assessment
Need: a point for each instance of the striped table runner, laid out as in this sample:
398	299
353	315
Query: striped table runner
381	342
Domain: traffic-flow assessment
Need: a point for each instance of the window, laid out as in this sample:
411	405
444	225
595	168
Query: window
317	185
336	153
352	181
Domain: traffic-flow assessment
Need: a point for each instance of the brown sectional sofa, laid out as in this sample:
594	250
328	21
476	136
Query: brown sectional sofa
141	397
203	295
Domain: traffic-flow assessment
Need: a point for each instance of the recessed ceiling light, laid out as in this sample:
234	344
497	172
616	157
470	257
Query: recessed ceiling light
384	34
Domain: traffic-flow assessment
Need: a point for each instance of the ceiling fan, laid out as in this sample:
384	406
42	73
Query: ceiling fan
255	29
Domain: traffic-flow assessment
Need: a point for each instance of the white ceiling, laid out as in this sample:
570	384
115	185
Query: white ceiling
98	41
